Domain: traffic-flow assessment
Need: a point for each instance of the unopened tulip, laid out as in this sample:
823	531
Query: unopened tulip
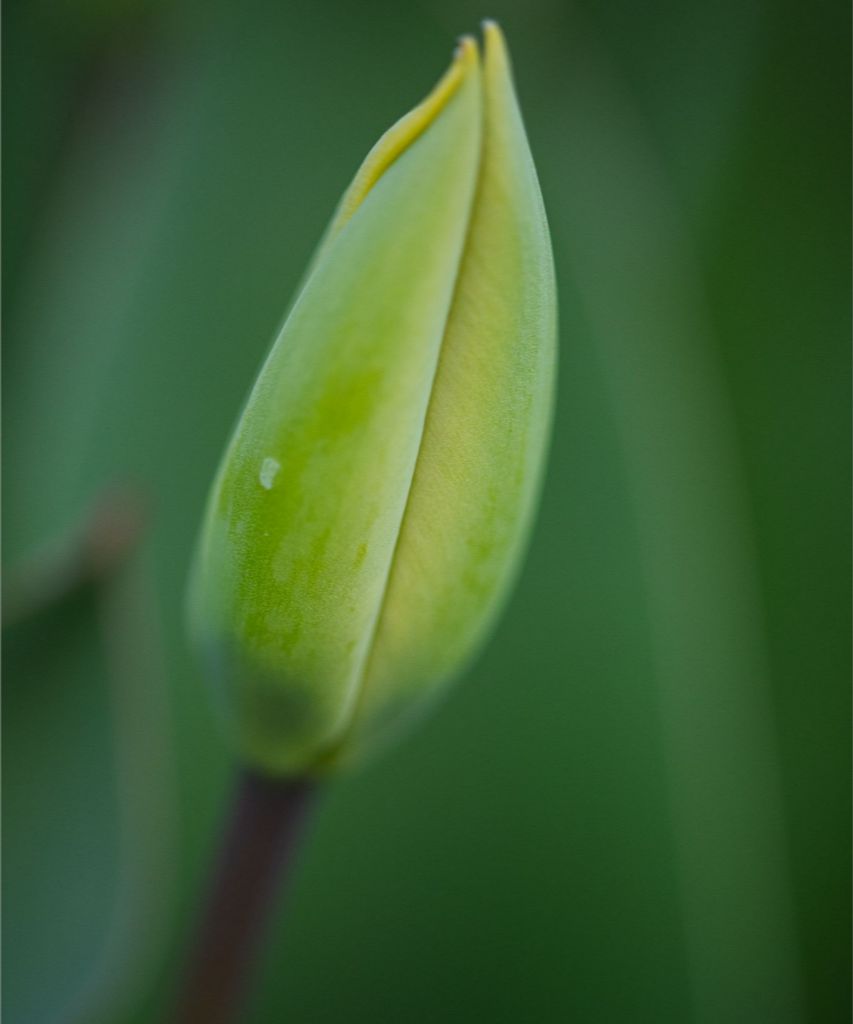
370	512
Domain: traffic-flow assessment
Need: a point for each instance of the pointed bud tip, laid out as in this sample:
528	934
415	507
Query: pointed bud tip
493	37
495	52
466	52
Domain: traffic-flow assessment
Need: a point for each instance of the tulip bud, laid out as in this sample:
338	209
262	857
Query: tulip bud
370	511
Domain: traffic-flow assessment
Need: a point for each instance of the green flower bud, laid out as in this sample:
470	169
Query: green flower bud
370	511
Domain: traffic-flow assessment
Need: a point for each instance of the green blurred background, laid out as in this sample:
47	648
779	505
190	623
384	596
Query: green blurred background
637	806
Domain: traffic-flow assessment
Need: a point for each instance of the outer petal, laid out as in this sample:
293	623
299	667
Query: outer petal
305	514
480	462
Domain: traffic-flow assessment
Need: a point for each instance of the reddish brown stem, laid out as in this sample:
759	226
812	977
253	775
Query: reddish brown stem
258	852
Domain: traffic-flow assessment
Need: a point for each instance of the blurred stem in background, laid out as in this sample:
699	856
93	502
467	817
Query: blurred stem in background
622	235
101	557
80	65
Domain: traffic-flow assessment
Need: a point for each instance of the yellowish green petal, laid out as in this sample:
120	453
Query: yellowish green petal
480	463
371	508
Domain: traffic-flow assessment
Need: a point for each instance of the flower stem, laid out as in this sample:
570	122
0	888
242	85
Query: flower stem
259	843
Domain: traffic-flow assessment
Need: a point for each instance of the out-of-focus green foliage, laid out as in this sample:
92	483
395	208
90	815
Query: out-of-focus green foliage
637	808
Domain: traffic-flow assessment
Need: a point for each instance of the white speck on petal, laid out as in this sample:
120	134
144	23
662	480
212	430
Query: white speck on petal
269	470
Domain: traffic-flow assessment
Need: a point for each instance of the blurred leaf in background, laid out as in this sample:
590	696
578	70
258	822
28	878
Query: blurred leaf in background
637	808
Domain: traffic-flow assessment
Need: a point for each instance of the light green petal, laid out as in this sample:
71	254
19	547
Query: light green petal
480	463
305	514
371	510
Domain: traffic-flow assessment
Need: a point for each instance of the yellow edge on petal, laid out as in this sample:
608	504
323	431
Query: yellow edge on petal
401	135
